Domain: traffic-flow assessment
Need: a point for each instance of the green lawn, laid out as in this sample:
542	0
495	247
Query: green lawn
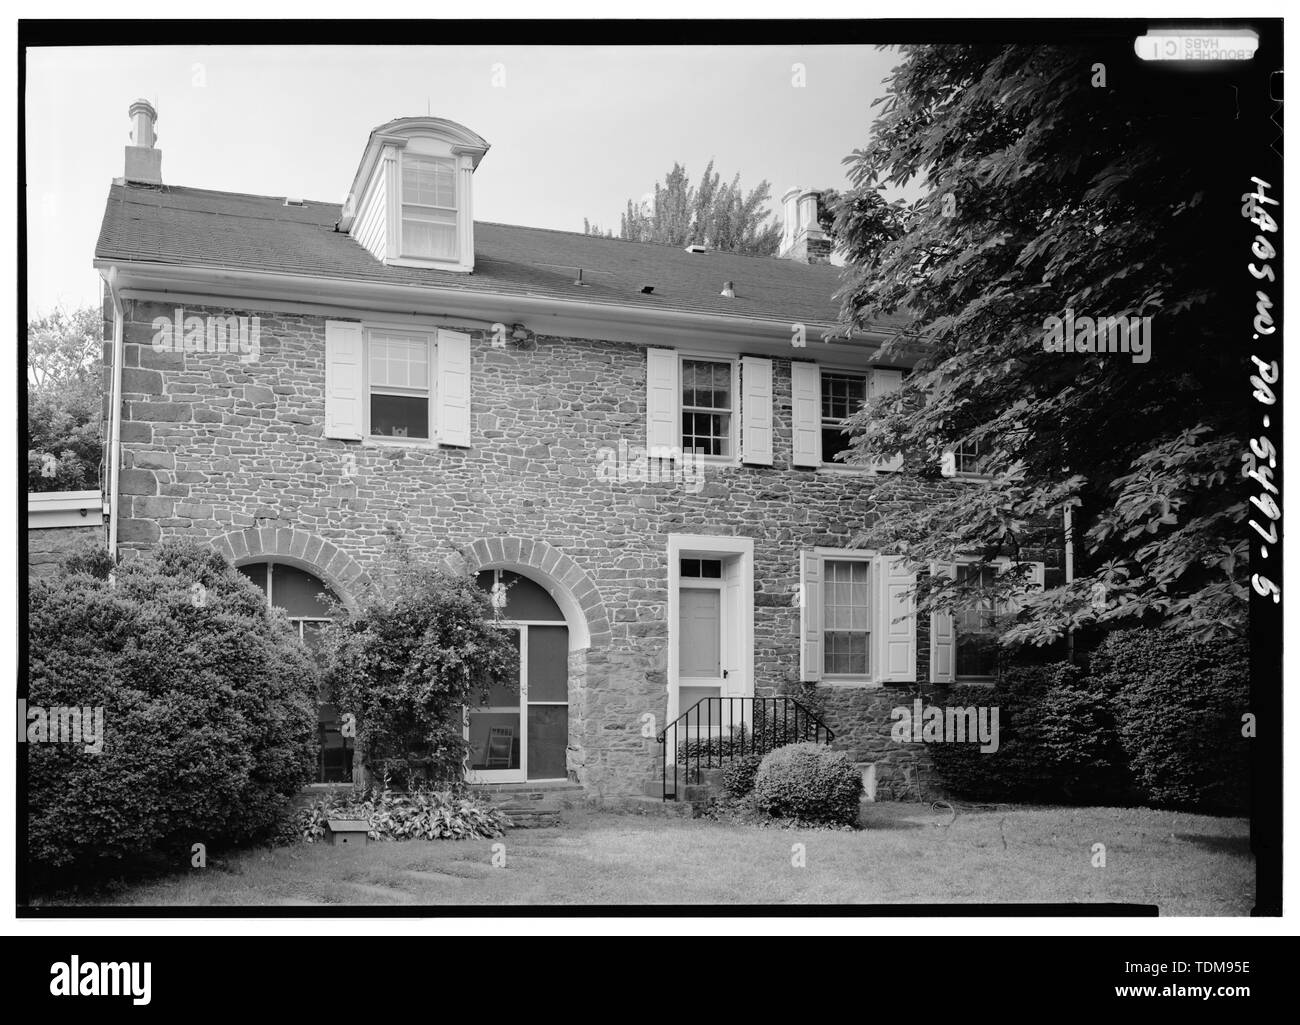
1184	864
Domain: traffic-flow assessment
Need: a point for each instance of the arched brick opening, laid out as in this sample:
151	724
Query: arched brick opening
564	580
344	574
584	614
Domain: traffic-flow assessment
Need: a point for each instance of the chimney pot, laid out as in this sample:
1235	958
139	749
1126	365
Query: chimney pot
143	158
802	238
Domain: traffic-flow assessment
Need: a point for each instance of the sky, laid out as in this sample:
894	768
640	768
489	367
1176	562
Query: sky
575	131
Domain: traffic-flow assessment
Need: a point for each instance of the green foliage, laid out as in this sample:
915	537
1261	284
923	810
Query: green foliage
417	648
209	716
722	217
809	783
64	404
1042	193
1179	709
420	814
1056	740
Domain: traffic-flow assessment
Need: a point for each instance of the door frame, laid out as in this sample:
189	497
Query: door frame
737	555
519	775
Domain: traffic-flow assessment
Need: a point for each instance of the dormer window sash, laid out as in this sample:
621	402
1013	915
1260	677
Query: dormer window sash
429	209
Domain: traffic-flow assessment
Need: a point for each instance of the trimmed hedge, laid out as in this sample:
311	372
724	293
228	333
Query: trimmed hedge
208	711
738	776
809	783
1056	740
1179	709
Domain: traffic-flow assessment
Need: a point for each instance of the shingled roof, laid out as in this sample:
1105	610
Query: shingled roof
169	225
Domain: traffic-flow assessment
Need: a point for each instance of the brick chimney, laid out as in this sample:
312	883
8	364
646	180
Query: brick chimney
802	238
143	159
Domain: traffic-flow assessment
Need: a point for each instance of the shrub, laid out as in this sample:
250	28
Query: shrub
1178	706
809	783
738	775
419	815
406	662
1056	740
209	715
717	750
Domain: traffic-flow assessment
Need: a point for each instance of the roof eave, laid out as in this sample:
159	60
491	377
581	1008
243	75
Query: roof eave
563	317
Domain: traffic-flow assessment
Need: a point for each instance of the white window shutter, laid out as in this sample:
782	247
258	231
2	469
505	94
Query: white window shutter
810	616
948	464
895	620
756	410
883	382
344	387
806	403
662	429
943	635
453	388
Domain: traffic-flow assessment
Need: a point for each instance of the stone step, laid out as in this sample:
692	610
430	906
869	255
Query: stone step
533	819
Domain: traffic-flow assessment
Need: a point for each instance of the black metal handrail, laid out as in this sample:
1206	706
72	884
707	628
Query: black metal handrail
767	727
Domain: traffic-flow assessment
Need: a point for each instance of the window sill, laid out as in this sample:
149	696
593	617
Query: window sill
974	681
378	441
852	683
454	264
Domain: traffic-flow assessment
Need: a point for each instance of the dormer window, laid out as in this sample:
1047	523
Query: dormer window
428	207
410	204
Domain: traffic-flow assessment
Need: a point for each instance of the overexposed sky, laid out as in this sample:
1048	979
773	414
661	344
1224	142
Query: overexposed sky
575	131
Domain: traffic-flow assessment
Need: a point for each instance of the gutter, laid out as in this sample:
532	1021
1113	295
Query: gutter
609	321
114	447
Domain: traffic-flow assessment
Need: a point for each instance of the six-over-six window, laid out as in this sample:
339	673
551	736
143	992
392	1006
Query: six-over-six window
707	405
401	384
428	207
843	394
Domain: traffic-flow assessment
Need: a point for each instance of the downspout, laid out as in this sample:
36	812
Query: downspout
115	436
1069	573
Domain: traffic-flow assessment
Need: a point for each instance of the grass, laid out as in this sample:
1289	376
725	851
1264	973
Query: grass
1184	864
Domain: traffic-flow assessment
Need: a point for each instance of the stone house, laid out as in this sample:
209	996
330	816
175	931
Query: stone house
630	435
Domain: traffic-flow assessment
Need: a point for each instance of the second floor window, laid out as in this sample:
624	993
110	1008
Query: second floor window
707	407
968	457
399	385
428	207
842	396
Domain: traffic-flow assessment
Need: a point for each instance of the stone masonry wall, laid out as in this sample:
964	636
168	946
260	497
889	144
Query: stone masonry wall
47	547
213	445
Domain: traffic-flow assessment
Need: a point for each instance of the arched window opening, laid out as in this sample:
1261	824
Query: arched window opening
299	595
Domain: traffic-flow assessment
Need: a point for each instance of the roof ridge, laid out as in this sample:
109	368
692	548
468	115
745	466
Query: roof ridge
495	224
135	187
638	242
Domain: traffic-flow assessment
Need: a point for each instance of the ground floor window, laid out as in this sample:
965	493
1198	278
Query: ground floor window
522	733
300	595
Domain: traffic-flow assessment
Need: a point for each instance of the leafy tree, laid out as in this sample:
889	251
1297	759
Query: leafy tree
64	402
721	216
1045	191
419	647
